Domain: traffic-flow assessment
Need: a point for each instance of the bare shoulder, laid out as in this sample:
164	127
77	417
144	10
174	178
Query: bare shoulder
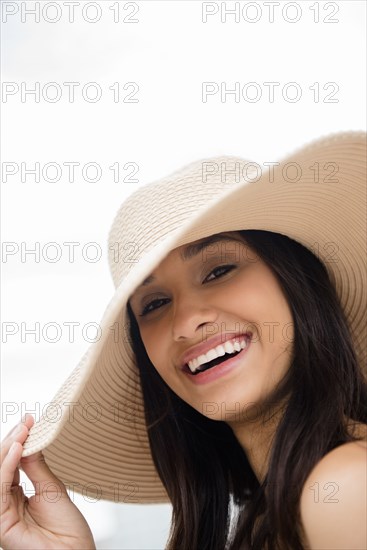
333	501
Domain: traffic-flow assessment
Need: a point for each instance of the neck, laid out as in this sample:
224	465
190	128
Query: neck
256	439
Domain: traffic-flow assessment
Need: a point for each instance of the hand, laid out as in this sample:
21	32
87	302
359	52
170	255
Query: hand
43	521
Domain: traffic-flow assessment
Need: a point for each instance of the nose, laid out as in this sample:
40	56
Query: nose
190	315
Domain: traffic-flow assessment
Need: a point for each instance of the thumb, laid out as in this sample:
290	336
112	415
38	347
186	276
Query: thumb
42	478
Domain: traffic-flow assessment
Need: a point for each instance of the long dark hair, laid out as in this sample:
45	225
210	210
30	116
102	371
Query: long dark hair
199	460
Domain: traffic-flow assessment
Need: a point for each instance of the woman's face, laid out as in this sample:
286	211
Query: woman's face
194	302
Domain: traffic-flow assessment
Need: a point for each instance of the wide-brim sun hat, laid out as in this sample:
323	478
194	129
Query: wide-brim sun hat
93	433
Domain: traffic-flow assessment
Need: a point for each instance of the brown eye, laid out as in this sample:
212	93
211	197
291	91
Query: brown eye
222	270
147	309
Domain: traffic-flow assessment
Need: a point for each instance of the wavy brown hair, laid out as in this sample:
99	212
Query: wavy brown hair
200	461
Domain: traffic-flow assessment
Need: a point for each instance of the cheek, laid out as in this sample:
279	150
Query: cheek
261	302
249	301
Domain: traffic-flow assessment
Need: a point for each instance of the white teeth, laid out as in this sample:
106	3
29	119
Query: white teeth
210	355
237	346
220	350
230	346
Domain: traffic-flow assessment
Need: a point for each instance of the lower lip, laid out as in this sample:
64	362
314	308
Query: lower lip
219	370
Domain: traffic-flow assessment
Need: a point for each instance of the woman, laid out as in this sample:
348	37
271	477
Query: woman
229	376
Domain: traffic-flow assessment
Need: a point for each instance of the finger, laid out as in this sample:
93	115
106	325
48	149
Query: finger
43	479
11	432
7	470
20	434
28	420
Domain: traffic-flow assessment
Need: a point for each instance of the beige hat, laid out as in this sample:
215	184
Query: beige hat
94	435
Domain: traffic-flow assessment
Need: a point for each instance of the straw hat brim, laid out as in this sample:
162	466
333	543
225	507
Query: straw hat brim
93	435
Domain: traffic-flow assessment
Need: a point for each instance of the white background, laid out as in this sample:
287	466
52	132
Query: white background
169	52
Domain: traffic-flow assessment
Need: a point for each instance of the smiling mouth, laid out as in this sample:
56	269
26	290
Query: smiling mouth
212	363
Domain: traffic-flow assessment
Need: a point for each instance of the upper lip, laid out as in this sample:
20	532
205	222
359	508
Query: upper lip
202	348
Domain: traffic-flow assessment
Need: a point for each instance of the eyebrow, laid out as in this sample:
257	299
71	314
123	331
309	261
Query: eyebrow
192	250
